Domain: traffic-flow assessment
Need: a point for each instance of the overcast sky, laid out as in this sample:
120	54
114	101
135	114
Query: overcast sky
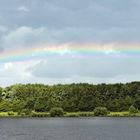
109	25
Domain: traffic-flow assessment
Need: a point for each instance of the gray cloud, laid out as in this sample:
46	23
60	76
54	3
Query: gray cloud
78	20
106	66
32	22
23	37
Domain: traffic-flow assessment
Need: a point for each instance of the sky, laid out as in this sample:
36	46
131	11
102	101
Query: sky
59	41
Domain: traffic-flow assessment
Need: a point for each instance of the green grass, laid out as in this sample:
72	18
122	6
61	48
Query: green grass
70	114
123	114
7	114
40	114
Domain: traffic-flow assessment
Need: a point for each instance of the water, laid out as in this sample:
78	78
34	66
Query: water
70	129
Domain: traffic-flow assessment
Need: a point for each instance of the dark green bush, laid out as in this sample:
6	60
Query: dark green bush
137	104
133	110
100	111
26	112
10	113
56	112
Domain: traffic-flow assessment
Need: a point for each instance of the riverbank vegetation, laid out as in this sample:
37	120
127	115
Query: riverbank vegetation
70	100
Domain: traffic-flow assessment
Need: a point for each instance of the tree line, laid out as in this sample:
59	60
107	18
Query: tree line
70	97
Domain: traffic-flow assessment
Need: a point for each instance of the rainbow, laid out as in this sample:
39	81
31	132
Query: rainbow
43	51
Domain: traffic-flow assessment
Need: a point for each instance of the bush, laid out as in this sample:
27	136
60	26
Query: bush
137	104
100	111
133	110
56	112
10	113
26	112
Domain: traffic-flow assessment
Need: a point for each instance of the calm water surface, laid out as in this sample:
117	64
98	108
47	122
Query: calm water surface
70	129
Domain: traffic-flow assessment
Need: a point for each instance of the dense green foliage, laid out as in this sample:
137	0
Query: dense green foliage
133	110
70	97
56	112
137	103
100	111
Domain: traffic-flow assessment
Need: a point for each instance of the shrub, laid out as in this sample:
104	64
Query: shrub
20	113
56	112
26	112
137	104
11	113
100	111
133	110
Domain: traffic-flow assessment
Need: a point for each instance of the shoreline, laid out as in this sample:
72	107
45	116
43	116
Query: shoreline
68	115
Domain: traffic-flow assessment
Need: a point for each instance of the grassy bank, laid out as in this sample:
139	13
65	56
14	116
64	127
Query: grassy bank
110	114
123	114
69	114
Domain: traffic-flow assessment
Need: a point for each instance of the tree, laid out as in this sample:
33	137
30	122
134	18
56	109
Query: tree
1	90
5	106
114	105
29	104
71	97
41	104
18	106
